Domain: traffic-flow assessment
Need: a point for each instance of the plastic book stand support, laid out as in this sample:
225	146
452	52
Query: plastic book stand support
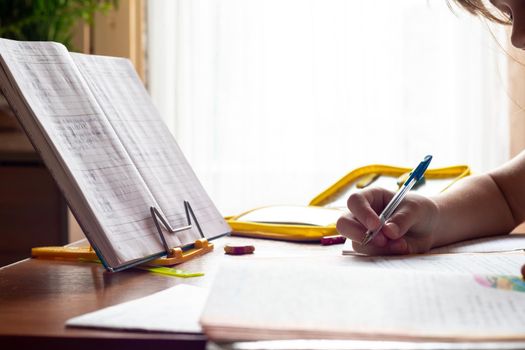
174	255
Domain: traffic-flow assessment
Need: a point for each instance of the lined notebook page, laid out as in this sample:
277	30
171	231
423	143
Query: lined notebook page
299	299
150	145
87	146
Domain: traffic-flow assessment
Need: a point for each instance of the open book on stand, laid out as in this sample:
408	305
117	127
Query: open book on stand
119	168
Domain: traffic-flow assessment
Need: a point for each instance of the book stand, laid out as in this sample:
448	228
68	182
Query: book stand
174	255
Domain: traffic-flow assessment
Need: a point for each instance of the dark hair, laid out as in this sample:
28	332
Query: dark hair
478	8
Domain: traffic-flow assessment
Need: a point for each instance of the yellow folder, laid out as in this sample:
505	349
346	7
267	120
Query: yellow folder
317	219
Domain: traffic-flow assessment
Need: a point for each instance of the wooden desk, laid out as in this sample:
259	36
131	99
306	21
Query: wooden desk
38	296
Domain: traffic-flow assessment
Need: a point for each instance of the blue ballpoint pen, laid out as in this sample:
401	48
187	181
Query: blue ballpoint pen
414	177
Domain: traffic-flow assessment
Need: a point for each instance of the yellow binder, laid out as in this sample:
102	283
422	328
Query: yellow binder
317	219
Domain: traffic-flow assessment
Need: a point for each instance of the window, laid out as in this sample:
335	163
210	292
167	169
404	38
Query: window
273	101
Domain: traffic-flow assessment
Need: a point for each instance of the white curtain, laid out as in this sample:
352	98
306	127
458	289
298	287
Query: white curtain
274	100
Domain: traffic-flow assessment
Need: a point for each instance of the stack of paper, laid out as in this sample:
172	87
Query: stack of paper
307	299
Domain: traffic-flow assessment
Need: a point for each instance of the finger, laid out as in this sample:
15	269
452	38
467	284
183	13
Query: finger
409	244
365	206
349	227
402	246
401	221
371	248
397	247
419	243
379	240
378	198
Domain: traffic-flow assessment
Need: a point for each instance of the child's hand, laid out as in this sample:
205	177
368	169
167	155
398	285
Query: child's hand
408	231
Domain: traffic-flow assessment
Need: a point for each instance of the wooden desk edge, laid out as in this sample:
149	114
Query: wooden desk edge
105	340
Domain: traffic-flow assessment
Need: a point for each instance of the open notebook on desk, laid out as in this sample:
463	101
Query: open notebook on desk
102	139
311	299
472	292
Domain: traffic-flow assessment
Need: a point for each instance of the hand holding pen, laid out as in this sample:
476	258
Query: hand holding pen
415	176
381	222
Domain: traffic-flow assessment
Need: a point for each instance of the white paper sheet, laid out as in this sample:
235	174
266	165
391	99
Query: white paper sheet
176	309
482	263
507	243
485	245
298	300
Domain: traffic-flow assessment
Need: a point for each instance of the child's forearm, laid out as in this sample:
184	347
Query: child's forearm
475	207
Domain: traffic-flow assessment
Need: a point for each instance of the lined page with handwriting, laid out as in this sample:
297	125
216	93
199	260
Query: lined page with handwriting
85	144
286	299
492	244
481	263
505	243
151	146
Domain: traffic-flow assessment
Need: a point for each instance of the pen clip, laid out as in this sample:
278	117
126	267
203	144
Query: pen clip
419	171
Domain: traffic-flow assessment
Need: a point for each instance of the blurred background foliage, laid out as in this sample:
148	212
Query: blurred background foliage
48	20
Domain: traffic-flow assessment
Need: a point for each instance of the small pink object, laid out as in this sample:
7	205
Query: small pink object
238	249
336	239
